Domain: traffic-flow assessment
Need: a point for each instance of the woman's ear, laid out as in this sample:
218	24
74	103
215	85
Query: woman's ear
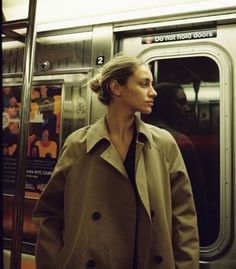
115	87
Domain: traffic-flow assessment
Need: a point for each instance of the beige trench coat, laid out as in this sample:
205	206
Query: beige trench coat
86	214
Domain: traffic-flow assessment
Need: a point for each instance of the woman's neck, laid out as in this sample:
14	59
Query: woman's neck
119	124
121	128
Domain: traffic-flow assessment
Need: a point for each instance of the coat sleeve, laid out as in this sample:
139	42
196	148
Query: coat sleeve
185	238
48	213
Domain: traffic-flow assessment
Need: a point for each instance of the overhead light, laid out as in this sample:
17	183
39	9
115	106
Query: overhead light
65	38
132	10
12	45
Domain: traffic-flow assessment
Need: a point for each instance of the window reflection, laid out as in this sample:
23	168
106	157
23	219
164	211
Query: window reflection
187	105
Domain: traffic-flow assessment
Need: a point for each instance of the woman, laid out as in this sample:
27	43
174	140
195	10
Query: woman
119	196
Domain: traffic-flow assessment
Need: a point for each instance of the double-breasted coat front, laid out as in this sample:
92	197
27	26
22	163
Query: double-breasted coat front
89	215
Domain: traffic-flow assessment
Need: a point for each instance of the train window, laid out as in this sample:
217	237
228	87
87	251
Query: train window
188	106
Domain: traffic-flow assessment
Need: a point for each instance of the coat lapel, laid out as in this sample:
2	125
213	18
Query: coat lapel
111	156
141	178
98	131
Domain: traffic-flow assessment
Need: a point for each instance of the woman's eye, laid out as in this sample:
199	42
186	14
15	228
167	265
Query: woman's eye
144	84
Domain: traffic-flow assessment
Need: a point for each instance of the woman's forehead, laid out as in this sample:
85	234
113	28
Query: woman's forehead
143	72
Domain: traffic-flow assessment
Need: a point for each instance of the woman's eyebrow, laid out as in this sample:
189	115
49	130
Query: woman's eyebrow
146	79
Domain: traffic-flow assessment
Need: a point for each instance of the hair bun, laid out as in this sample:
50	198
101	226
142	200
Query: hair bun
95	83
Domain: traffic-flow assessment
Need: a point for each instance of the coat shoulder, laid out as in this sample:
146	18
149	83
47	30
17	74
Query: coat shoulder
78	135
161	136
163	141
75	143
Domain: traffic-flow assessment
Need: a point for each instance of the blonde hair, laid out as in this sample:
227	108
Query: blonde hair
120	68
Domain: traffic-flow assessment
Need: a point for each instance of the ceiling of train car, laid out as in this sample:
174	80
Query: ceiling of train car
68	13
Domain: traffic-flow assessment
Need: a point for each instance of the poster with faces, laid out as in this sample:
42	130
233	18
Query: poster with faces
43	139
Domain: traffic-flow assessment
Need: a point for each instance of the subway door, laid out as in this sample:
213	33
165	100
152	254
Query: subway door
199	117
102	50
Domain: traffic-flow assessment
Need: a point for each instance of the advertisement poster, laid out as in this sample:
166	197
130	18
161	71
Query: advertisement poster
43	139
11	100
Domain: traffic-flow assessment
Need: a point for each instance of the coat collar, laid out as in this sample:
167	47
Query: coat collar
143	132
98	132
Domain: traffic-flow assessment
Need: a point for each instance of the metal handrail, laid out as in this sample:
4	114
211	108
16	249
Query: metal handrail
18	211
15	24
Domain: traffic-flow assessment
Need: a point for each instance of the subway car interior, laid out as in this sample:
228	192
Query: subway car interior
51	49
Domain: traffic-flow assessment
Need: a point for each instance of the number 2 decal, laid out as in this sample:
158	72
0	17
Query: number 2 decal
100	60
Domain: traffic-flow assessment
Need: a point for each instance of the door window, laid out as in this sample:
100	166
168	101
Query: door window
188	106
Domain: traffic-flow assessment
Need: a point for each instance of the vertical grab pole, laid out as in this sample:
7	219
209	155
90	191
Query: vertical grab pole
196	87
28	69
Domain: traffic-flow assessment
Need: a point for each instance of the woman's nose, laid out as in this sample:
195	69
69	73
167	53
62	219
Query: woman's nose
153	92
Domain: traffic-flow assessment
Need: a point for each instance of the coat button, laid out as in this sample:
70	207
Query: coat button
152	213
158	259
96	216
90	264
